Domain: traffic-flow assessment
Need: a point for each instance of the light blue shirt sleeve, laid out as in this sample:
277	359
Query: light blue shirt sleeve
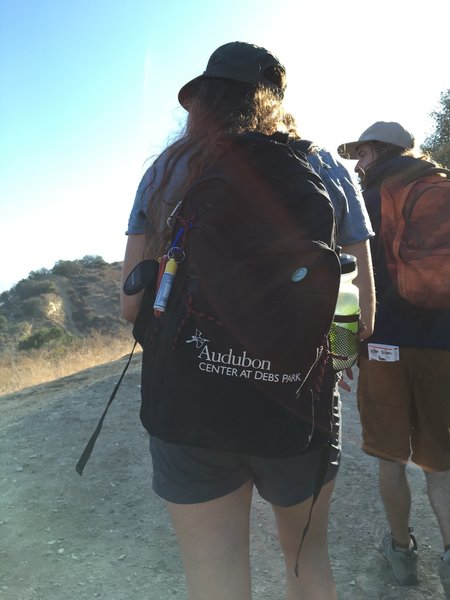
150	181
138	214
353	223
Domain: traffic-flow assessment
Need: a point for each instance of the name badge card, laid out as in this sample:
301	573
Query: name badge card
383	352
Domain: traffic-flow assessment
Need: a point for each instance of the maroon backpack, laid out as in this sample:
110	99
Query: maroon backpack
238	360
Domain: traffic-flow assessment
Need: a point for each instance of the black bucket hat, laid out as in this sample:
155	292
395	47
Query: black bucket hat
237	61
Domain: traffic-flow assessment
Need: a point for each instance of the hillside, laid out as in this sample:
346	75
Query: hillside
52	307
60	321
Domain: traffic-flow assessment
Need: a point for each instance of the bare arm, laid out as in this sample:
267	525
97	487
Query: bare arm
134	254
365	283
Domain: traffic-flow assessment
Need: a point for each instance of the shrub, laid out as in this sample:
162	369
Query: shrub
28	288
32	307
3	323
50	337
39	274
67	268
5	296
93	261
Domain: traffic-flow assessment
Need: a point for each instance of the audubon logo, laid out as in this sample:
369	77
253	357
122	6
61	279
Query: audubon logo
197	339
232	364
235	360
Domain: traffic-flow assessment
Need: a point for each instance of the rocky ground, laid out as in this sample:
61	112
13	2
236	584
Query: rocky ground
106	535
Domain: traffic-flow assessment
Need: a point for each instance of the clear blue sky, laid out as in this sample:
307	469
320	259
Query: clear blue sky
89	94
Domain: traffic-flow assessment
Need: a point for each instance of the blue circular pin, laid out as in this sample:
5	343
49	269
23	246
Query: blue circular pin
299	274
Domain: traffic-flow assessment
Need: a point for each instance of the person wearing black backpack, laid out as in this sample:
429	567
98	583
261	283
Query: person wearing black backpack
235	149
404	377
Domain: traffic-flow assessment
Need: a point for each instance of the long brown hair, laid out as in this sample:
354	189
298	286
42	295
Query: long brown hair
219	106
385	152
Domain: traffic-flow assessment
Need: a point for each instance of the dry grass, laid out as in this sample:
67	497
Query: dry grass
20	370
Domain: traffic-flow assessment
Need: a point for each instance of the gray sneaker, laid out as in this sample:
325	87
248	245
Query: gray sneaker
403	564
444	572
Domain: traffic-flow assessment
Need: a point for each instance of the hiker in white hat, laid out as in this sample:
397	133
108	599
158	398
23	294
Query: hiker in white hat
404	377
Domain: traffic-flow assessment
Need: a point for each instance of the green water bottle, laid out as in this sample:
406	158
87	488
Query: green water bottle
344	331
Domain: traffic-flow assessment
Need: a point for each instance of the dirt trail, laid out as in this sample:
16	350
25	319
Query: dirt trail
106	535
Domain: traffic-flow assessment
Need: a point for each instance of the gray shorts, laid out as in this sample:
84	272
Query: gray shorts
189	475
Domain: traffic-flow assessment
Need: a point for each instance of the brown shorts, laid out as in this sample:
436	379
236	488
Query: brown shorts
405	407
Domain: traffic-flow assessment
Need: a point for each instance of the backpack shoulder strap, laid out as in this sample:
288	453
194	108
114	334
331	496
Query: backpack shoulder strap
441	170
415	172
393	195
400	185
304	146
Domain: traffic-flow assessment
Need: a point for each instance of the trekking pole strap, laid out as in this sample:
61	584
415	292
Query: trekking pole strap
90	445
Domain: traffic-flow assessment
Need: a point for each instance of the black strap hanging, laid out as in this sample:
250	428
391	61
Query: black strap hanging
90	445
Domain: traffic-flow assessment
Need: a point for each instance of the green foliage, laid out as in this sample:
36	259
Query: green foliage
90	261
32	307
39	274
437	145
5	296
67	268
3	323
50	337
28	288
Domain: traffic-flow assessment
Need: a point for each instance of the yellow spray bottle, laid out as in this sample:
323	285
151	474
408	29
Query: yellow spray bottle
165	286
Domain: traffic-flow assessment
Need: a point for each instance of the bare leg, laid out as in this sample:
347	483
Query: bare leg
315	579
396	496
438	483
214	544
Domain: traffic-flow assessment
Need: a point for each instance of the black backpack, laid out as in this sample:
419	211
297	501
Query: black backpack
238	361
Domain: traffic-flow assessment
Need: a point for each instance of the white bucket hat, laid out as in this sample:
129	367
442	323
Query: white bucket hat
381	131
